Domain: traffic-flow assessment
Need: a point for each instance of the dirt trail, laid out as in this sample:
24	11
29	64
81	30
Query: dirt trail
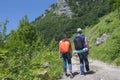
98	71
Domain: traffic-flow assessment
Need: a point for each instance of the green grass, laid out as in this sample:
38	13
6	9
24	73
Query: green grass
109	51
24	69
55	69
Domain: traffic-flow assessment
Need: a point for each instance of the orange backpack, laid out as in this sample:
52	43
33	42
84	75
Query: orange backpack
64	46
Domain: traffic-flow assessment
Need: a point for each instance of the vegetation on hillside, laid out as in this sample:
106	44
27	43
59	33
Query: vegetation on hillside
86	13
24	54
109	51
24	51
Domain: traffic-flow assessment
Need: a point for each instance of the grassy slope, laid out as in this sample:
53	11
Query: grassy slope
109	51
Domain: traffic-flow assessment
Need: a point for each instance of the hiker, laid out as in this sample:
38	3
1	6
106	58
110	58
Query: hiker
80	43
66	55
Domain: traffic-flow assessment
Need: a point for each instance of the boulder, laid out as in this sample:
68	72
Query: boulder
101	39
42	74
46	65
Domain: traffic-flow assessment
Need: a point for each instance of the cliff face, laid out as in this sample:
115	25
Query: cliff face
63	8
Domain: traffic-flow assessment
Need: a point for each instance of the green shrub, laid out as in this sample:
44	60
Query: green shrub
109	51
117	61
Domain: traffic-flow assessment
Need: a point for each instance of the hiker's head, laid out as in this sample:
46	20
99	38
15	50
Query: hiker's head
79	30
64	36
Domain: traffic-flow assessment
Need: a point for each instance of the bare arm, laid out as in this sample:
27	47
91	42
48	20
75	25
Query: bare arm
87	44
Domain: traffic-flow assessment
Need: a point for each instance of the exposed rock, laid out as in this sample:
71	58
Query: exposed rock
46	65
6	79
101	39
64	8
42	74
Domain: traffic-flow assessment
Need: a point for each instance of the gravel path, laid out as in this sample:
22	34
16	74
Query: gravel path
98	71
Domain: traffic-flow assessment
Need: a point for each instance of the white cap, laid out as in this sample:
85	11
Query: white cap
79	29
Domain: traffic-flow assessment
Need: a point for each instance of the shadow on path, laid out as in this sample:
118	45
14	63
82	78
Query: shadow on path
75	73
86	73
90	72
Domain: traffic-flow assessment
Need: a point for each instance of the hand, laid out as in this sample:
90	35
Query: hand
60	57
88	52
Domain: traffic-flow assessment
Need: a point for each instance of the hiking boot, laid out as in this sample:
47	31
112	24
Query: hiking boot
71	75
87	70
82	73
66	74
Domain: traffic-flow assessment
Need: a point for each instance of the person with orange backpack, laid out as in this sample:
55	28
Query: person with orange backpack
66	55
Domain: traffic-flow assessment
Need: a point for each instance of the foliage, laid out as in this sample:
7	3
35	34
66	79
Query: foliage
89	11
28	48
86	14
3	32
114	4
109	51
25	53
54	71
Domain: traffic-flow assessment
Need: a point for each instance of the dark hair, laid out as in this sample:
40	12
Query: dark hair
64	36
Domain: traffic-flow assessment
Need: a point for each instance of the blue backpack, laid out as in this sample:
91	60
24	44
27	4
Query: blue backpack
79	42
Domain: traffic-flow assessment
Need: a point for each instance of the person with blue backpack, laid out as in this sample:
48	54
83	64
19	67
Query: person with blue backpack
81	50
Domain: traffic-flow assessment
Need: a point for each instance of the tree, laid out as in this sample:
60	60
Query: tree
118	5
3	29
